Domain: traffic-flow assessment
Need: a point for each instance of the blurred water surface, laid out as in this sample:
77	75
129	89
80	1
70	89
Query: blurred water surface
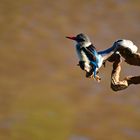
43	94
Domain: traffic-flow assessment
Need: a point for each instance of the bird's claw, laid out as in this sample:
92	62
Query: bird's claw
97	78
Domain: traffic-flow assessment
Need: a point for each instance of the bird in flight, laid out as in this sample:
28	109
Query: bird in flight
90	60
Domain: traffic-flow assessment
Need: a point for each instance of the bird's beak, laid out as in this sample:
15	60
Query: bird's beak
72	37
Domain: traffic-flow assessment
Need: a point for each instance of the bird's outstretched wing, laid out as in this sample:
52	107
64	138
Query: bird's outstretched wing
119	46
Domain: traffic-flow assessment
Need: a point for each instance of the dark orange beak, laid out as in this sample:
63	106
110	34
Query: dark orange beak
72	37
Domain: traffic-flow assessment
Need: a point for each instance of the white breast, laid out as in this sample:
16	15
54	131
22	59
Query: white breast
82	57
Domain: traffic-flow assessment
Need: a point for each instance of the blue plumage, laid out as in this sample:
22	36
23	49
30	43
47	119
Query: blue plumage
89	59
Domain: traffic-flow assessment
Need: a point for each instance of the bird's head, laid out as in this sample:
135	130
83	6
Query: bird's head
81	39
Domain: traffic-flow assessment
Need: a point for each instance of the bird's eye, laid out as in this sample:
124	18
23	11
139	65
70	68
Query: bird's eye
81	39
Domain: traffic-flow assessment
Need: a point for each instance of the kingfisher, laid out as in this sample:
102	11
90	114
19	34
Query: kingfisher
91	60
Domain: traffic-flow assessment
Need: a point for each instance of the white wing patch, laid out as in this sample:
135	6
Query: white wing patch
128	44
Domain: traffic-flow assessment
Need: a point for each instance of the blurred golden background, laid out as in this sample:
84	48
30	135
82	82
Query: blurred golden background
43	94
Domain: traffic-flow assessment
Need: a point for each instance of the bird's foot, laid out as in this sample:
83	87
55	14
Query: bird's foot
97	78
